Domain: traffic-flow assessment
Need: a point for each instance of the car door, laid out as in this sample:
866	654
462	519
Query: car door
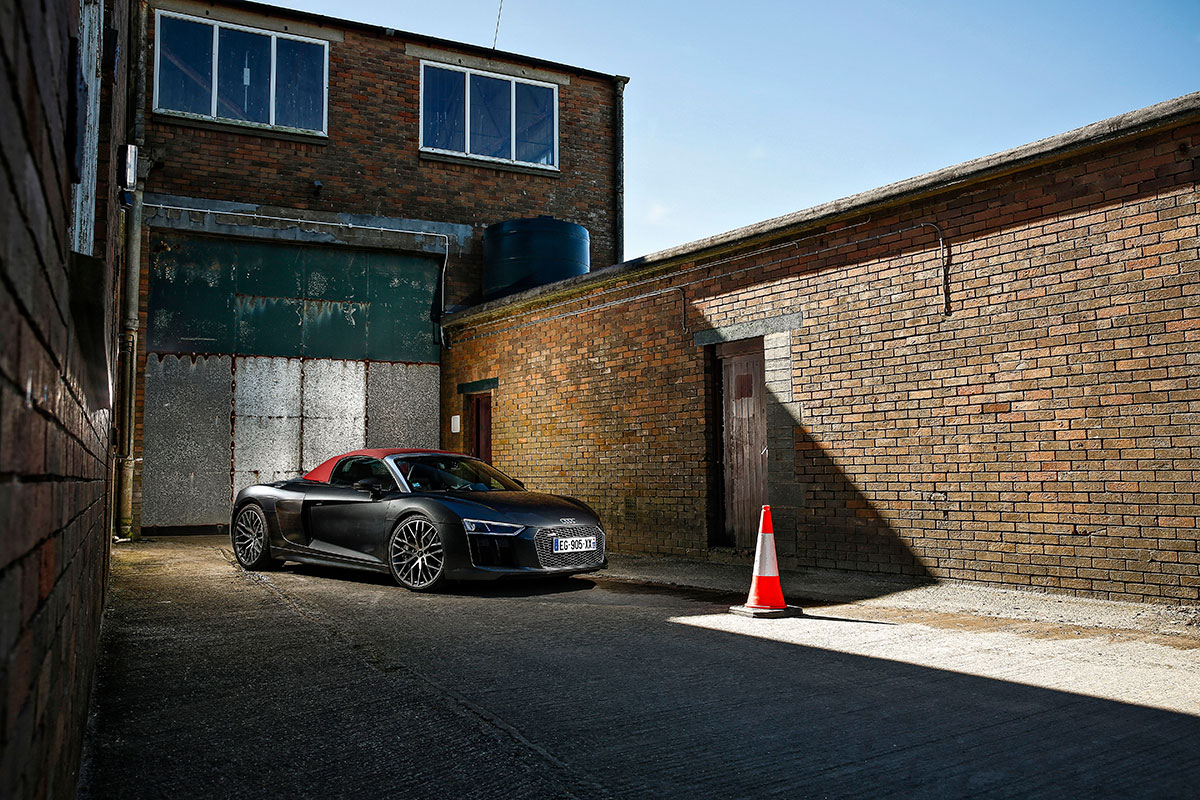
348	523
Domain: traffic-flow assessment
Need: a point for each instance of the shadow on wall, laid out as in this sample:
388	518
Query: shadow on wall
839	527
822	518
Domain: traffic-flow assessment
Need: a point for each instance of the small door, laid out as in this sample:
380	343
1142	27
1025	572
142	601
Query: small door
481	426
744	423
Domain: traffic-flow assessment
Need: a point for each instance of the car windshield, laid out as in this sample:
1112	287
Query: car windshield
436	473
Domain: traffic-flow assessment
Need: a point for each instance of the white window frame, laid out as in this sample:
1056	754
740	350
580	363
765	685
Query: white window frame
217	25
512	117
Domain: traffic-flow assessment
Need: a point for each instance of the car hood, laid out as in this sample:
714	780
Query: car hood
521	508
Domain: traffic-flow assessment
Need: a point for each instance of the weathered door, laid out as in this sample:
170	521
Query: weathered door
744	421
481	426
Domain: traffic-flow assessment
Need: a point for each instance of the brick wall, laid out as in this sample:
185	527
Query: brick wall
371	164
54	439
1043	434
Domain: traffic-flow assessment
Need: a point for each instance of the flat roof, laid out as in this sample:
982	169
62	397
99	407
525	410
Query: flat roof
1053	148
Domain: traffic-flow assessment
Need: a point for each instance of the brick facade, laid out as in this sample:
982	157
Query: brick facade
1042	434
371	164
54	422
257	184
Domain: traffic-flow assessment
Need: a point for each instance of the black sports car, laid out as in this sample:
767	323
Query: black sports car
423	515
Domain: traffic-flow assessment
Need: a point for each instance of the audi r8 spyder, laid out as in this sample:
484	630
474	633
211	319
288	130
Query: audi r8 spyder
424	516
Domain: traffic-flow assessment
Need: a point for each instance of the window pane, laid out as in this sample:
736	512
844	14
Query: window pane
535	124
243	76
299	84
185	65
445	109
491	119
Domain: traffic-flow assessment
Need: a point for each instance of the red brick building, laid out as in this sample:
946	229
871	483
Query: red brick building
314	195
987	373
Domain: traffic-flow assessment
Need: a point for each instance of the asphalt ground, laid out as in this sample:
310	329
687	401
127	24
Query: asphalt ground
315	682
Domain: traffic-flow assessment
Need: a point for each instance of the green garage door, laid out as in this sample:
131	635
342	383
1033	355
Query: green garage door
211	295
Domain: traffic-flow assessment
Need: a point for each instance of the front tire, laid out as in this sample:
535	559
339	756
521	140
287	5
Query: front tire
251	544
416	555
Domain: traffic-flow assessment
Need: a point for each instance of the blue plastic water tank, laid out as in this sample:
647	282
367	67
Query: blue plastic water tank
522	253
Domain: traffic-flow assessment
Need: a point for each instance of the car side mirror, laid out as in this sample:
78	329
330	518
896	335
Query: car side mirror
519	482
375	486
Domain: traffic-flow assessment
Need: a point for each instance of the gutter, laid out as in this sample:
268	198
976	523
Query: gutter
1044	151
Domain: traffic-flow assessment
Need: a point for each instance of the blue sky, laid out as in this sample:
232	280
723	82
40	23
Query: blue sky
741	111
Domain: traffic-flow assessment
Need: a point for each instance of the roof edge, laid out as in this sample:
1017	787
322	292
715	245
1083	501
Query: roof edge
1037	153
269	10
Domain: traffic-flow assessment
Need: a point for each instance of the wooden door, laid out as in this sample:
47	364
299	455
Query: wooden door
744	422
481	426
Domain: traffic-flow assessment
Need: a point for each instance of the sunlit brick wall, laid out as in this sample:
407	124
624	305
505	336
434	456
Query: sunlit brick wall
1043	434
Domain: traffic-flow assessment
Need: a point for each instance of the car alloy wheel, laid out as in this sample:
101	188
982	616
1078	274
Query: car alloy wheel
249	537
416	555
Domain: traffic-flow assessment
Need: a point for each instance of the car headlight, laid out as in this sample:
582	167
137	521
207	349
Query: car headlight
497	528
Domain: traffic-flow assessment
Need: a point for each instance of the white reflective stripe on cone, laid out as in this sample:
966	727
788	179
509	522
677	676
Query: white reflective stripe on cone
765	564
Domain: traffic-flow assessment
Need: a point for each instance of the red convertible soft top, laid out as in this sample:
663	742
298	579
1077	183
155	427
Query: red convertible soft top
321	474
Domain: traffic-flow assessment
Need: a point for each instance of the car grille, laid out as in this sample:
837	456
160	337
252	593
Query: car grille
544	542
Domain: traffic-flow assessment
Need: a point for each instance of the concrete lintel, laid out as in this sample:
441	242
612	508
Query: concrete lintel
201	215
487	64
748	330
474	387
278	19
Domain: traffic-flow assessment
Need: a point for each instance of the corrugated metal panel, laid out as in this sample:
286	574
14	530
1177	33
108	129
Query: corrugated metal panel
335	274
269	325
185	476
211	295
266	269
334	330
402	290
191	297
334	408
403	405
267	420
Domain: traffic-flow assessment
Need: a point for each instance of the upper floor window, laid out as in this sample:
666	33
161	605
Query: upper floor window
238	74
494	117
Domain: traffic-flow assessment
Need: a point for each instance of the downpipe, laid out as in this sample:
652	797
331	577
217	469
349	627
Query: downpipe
128	356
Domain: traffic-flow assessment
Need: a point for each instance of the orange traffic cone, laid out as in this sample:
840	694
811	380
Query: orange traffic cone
766	593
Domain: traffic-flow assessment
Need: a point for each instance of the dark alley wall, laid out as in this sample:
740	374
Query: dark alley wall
55	350
1040	434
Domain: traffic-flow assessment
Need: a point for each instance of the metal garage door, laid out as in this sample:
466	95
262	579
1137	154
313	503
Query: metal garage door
265	358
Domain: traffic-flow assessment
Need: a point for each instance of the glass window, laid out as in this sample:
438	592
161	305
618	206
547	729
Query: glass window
489	116
243	76
299	84
248	63
450	473
444	110
185	51
491	119
351	470
535	124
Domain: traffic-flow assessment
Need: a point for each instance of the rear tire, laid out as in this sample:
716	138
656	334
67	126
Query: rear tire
251	542
416	555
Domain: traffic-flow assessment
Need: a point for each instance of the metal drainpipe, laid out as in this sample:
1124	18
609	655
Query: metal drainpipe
619	146
132	291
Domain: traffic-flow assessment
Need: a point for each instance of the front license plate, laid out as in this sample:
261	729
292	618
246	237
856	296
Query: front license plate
574	544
